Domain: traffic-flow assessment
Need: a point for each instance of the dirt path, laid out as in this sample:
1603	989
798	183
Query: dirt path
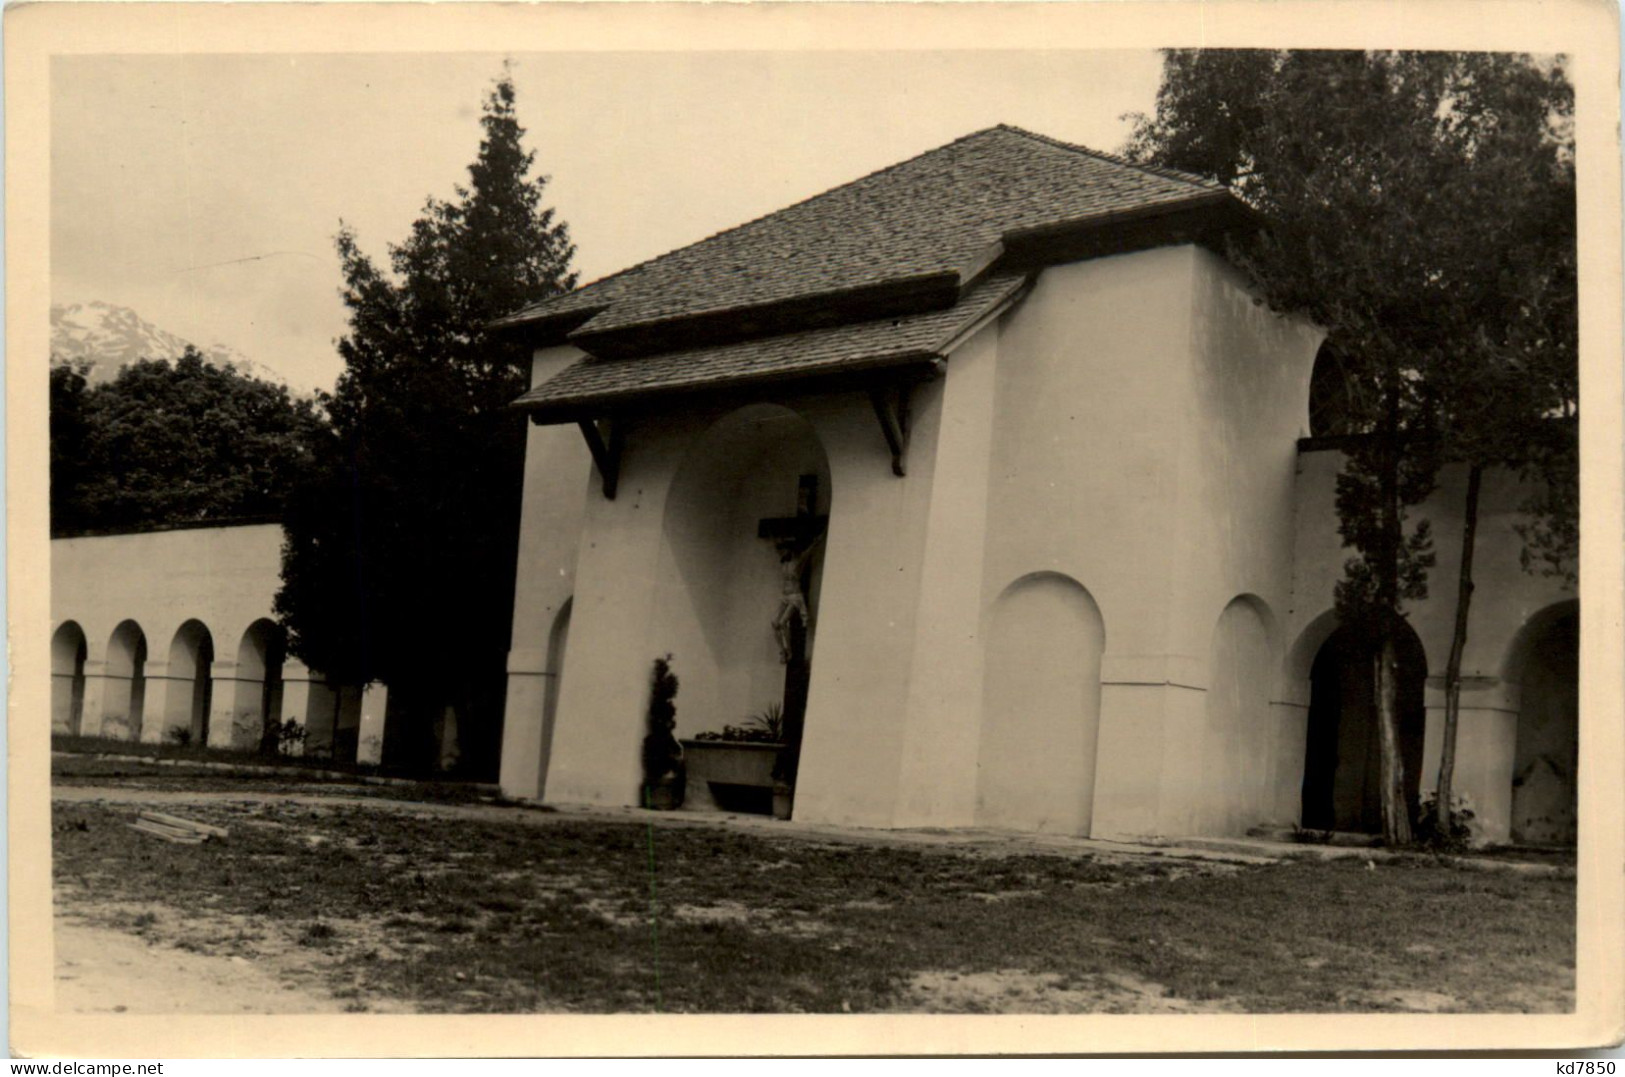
99	970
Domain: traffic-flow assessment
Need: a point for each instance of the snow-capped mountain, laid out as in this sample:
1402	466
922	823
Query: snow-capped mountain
111	337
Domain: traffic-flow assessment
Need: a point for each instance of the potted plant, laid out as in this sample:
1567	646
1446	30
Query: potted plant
665	776
734	768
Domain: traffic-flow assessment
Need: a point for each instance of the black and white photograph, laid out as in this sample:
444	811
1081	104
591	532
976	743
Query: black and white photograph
1053	526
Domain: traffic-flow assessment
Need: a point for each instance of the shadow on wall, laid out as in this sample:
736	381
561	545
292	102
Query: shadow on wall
1546	664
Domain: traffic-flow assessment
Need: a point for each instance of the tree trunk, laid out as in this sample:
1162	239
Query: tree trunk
1458	643
1396	819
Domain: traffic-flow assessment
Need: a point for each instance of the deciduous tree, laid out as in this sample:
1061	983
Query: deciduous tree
168	443
1420	206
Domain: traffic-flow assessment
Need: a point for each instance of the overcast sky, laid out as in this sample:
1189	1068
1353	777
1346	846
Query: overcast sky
204	191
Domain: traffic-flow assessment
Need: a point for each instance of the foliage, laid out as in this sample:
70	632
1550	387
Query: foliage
662	754
179	736
290	737
1551	528
168	443
402	543
1452	835
766	727
1420	206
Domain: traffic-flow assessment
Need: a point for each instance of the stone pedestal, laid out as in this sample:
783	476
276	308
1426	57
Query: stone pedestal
228	729
369	750
90	711
1486	749
1289	717
67	702
308	701
155	706
524	766
1134	717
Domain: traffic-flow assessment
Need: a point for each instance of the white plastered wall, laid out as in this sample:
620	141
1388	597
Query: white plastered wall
1505	599
1147	412
558	475
223	577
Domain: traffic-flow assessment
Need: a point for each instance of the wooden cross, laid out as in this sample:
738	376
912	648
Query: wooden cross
798	531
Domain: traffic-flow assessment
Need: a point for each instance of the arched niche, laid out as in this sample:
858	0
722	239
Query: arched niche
124	696
191	654
257	707
1544	661
1040	707
1342	771
68	653
1233	788
719	588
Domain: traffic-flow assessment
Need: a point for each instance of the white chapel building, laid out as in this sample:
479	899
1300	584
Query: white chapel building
1070	537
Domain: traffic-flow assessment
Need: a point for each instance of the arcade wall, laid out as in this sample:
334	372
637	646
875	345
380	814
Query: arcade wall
172	630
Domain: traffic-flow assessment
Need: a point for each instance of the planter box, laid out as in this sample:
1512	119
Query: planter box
730	775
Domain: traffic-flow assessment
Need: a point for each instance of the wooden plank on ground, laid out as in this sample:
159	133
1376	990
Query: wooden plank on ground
186	824
167	833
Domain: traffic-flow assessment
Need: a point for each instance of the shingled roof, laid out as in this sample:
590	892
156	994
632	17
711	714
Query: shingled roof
905	241
895	344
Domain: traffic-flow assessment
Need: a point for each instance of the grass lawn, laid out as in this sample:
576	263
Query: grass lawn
509	911
180	754
68	771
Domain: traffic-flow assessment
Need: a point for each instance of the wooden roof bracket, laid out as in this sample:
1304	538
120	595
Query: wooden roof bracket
891	408
605	446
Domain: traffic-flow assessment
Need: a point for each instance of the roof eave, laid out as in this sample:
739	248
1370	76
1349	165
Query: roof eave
1204	218
848	376
892	298
545	328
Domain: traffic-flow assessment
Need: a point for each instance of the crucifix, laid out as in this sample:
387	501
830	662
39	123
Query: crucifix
796	537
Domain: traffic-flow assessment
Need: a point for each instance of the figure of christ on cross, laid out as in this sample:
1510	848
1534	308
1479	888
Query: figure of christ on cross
792	599
796	537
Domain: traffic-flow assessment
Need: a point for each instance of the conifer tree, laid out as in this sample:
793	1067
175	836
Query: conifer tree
400	553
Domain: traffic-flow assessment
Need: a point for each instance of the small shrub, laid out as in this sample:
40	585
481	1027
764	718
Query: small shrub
664	770
1431	832
179	736
290	738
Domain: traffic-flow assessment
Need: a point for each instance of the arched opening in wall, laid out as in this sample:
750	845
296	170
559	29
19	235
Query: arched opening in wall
1232	786
1545	663
741	565
68	652
1040	707
256	711
191	656
557	639
1333	403
1342	768
124	696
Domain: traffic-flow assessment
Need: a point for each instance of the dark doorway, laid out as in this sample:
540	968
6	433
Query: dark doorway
1342	767
1547	759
